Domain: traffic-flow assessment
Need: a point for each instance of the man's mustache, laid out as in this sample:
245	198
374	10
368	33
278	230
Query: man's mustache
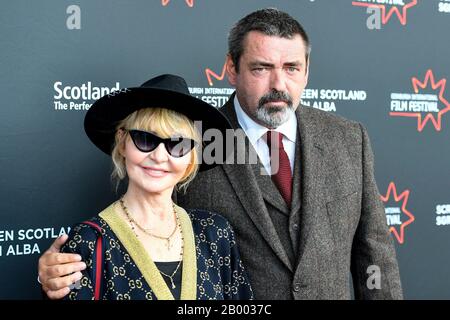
275	95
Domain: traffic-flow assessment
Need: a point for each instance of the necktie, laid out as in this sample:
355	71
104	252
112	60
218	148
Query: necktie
281	167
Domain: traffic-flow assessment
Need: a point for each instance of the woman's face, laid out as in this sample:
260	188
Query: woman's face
156	171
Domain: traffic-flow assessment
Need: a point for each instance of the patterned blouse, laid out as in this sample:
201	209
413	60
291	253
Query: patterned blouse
129	272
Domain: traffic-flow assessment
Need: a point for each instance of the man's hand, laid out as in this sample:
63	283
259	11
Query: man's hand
57	271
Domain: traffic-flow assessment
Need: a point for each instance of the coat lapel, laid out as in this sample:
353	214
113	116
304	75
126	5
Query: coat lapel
297	177
313	173
250	186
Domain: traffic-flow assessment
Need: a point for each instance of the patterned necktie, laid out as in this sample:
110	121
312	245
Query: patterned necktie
283	176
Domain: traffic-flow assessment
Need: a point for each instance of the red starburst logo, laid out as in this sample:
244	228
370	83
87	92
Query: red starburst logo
422	118
402	200
209	73
387	14
190	3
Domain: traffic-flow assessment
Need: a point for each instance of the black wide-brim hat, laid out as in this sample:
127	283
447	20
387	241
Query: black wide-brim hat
164	91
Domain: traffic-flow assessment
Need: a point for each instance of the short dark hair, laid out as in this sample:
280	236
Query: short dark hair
269	21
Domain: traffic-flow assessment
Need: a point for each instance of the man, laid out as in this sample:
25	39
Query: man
318	217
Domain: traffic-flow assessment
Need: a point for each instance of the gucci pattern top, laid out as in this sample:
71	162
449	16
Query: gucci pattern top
219	271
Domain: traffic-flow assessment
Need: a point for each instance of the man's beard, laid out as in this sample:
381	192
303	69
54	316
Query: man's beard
273	116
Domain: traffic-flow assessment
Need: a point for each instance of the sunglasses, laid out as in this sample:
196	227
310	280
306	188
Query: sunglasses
147	142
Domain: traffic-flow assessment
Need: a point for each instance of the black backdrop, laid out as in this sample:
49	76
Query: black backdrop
384	65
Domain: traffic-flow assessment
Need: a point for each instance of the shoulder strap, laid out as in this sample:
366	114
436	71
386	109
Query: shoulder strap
98	259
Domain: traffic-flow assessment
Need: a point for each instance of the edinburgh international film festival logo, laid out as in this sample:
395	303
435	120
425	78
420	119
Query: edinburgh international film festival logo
381	12
427	102
397	215
218	90
324	99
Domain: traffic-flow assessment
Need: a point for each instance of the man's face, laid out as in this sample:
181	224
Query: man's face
272	76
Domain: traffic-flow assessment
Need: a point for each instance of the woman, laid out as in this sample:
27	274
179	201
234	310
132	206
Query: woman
143	246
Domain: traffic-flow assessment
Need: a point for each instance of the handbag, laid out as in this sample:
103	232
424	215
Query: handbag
98	258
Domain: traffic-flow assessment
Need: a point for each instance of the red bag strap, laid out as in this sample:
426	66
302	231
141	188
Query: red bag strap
98	253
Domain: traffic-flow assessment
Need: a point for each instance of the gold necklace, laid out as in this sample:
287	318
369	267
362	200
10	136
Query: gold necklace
133	223
178	265
172	275
181	255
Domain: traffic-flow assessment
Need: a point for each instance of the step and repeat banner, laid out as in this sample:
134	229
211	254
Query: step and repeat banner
384	63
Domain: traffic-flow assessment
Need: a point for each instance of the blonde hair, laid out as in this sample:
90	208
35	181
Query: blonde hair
163	122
